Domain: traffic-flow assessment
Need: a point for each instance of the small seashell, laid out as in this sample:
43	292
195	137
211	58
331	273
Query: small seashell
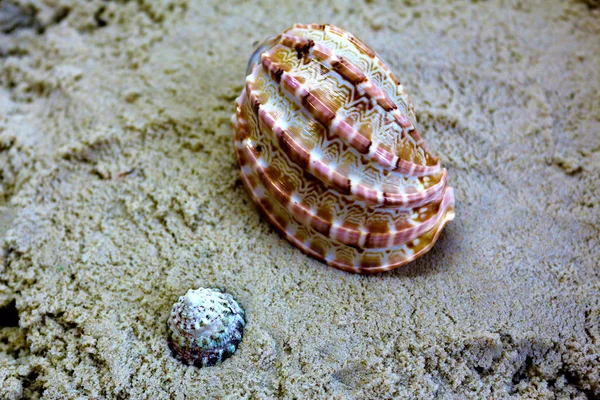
327	142
205	327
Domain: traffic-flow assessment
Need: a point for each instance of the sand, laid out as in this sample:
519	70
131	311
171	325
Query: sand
119	191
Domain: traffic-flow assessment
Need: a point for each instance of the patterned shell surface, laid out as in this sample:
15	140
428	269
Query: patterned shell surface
205	327
328	147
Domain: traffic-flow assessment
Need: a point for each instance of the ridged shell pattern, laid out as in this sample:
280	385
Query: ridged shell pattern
328	147
205	327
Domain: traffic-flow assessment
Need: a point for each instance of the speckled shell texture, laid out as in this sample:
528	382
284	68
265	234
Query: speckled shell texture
205	327
328	147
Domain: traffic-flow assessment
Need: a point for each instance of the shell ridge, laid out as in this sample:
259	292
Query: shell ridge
320	169
324	116
343	234
361	47
323	172
334	262
351	73
299	95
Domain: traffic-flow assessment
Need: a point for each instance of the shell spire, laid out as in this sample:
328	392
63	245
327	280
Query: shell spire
327	142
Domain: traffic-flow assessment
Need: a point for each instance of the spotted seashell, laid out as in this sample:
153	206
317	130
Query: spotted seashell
328	147
205	327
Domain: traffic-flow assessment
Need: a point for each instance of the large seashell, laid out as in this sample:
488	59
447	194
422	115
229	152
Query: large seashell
328	147
205	327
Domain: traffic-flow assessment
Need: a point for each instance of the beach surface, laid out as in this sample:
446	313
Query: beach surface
120	191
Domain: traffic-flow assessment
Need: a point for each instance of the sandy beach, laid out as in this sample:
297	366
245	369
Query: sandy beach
120	190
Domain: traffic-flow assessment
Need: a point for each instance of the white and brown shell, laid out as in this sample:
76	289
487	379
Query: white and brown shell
328	147
205	327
